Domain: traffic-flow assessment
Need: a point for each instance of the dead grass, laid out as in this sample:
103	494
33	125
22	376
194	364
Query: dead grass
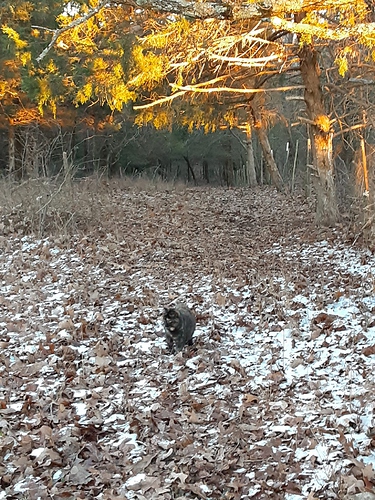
60	206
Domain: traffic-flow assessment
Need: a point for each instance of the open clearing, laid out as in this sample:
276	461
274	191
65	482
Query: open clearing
275	400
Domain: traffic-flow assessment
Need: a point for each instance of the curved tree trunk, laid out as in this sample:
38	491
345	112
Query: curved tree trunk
190	171
321	137
260	130
271	165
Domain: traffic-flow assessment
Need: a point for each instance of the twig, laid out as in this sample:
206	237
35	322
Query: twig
294	165
67	177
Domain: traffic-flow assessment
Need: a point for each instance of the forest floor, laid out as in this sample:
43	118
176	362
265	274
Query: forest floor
275	399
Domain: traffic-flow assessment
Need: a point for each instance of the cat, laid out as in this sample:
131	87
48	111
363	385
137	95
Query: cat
179	322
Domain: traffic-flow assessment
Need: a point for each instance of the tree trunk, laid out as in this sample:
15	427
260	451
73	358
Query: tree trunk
260	130
269	159
321	138
11	151
365	184
205	171
35	155
228	171
250	163
190	170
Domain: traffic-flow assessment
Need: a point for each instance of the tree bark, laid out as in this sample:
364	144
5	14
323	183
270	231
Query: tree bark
260	130
206	171
269	159
321	137
250	164
190	170
228	173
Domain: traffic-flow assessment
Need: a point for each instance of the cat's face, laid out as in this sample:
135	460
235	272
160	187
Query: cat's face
171	319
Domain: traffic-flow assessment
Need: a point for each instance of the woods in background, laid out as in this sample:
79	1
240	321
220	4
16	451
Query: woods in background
228	93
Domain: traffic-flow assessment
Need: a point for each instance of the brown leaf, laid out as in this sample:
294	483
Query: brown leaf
324	319
79	475
102	361
220	299
277	376
198	405
66	324
368	351
316	332
368	472
178	475
311	496
143	320
195	418
296	362
250	398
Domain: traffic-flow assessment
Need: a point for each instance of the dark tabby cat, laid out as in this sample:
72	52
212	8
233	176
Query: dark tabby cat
179	324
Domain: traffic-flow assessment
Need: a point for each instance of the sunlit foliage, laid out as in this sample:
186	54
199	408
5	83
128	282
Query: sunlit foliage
200	73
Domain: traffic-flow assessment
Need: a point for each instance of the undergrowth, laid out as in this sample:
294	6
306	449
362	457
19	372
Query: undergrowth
61	206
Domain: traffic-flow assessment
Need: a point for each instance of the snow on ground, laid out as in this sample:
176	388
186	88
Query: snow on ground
274	400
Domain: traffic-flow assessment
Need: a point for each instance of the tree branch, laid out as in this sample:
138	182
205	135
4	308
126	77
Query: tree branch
73	24
249	62
192	88
219	9
322	32
160	101
198	89
271	10
349	129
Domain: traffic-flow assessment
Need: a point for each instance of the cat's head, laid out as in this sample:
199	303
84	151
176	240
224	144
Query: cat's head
171	318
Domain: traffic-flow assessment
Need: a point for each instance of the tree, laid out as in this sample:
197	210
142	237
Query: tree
328	22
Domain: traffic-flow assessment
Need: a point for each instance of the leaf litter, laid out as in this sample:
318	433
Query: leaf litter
274	399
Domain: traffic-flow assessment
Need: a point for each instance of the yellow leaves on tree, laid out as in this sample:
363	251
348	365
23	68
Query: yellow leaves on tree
14	36
161	119
161	36
342	59
180	55
84	94
342	65
84	37
107	84
100	52
6	89
367	38
22	12
23	56
46	97
149	68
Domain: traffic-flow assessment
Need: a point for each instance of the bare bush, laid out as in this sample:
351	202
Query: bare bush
62	206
